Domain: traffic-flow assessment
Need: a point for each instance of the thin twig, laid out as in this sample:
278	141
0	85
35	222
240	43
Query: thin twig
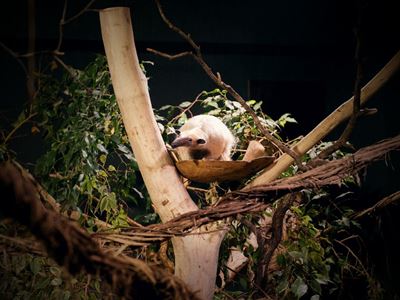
81	12
351	252
379	205
187	108
31	82
16	56
169	56
344	137
68	69
17	126
61	27
218	81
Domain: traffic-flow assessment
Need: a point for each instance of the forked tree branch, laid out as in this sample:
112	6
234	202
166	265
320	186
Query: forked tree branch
216	77
63	21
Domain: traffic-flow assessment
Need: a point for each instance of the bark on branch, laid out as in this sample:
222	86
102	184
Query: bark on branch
74	249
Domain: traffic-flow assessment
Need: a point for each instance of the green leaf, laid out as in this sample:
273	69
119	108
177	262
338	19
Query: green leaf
97	285
182	120
185	104
243	283
111	168
19	263
56	281
102	173
229	105
315	286
299	288
214	112
165	107
102	148
212	104
257	106
123	148
35	265
282	286
285	118
103	158
108	202
251	102
66	295
55	271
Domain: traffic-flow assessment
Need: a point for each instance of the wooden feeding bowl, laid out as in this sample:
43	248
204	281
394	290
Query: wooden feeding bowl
206	171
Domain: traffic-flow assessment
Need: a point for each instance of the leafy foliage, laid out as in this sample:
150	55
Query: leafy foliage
25	272
88	166
310	263
34	277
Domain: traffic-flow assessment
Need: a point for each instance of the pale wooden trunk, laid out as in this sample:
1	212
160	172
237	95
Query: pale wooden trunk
196	256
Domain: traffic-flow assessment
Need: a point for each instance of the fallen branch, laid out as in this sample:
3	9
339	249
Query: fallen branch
74	249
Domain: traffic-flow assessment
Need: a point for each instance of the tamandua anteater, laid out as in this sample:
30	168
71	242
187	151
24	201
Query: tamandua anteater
204	137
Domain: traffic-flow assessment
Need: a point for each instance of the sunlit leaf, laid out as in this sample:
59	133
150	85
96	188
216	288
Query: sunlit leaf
102	148
103	158
185	104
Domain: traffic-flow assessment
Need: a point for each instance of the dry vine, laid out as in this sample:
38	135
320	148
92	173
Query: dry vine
72	247
255	200
259	198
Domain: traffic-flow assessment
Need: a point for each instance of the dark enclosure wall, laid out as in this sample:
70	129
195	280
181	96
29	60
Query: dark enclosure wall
295	56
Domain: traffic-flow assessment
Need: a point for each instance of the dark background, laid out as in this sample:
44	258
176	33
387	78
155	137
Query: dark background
296	56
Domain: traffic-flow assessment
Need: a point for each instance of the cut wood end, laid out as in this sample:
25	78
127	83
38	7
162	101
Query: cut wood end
115	8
